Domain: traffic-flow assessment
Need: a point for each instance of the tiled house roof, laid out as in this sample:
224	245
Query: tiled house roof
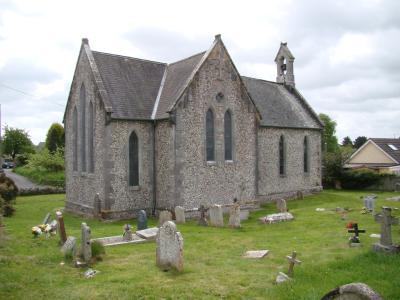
390	150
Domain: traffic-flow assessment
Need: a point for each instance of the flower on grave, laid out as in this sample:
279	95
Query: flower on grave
350	225
36	231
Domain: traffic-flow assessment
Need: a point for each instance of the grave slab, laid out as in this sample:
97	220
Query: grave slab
148	234
256	253
275	218
119	240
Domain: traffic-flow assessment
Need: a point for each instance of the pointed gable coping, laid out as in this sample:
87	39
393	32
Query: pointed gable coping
284	50
97	78
200	64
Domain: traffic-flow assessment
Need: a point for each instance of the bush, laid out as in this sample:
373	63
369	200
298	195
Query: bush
44	160
8	194
361	178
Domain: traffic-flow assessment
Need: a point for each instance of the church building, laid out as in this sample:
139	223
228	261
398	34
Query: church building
150	135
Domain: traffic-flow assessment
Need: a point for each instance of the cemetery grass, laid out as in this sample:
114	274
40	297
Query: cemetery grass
213	266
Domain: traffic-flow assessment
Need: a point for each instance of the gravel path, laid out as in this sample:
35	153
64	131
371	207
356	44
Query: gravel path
21	182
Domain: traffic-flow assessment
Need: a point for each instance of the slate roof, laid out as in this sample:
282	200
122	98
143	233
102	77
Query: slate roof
132	84
279	106
384	145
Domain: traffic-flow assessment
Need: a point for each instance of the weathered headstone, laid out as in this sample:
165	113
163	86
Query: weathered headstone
216	216
244	215
386	220
180	215
165	216
127	235
203	219
234	215
352	291
355	240
86	245
61	227
292	261
97	206
142	220
169	247
369	202
46	219
69	247
275	218
256	254
281	205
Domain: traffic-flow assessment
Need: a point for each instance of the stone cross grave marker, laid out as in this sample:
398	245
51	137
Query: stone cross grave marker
169	247
355	239
97	206
203	220
292	261
234	214
386	220
369	202
142	220
216	216
61	227
165	216
180	215
69	246
281	205
86	245
46	219
127	235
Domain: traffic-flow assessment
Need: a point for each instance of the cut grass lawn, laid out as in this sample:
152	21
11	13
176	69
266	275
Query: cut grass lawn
213	266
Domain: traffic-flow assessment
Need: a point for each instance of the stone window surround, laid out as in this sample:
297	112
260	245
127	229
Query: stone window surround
230	161
306	155
139	141
75	139
282	140
82	128
209	162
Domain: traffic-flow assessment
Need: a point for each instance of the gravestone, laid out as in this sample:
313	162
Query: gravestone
369	202
61	227
202	220
292	261
275	218
234	215
355	240
142	220
46	219
97	206
86	245
164	216
386	220
127	235
244	215
256	253
169	247
282	277
180	215
281	205
69	247
352	291
216	216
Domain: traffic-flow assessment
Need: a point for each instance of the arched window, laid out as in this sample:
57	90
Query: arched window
228	135
133	160
91	137
75	140
82	100
282	156
305	154
210	143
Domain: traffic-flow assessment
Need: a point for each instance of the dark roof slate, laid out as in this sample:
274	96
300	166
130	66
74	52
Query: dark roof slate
132	84
384	143
176	77
280	107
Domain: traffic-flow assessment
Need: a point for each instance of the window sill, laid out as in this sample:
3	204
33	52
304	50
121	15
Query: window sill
229	162
134	188
282	175
211	163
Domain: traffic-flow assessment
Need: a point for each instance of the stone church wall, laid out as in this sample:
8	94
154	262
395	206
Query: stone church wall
196	180
272	185
81	187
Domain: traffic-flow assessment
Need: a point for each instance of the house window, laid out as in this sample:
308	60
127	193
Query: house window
228	135
133	160
82	100
91	137
282	156
210	143
75	140
305	155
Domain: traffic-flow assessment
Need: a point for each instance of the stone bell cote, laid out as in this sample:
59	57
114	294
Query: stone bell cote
284	65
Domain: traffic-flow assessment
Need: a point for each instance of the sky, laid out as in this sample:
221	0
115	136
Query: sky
347	52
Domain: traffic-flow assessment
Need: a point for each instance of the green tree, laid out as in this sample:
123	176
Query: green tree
329	140
16	142
347	142
359	141
55	137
